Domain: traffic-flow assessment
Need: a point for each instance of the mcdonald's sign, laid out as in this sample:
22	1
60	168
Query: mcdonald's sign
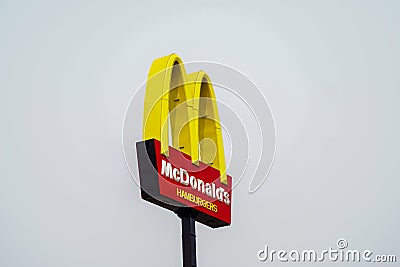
181	160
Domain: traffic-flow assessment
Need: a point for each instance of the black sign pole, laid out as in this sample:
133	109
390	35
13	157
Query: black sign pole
188	238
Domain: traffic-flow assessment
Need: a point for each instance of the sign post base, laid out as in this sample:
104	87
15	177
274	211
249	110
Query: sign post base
188	238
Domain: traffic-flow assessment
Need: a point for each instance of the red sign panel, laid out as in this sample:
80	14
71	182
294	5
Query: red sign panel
174	182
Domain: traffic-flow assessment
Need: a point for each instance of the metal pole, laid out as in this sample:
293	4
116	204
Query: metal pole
188	239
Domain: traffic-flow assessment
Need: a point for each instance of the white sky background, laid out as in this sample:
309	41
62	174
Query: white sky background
329	69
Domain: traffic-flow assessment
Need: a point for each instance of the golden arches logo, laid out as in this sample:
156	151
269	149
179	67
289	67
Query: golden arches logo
185	103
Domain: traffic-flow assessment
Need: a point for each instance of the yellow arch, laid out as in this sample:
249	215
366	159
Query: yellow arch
190	102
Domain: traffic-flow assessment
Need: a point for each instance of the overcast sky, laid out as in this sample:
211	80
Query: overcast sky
68	70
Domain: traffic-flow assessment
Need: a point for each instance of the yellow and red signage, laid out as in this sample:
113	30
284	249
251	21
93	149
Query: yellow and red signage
191	173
